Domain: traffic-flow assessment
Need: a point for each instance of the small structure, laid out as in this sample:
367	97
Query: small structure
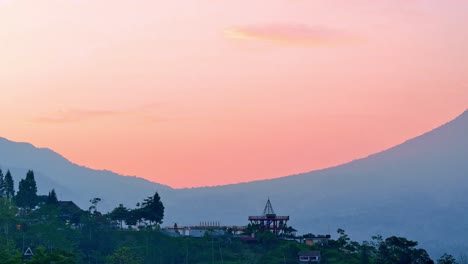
321	240
28	253
269	220
309	256
212	228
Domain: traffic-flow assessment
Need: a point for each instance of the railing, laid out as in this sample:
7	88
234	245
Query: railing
263	217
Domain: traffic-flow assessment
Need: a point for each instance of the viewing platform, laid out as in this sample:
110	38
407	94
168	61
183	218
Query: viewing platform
269	220
268	217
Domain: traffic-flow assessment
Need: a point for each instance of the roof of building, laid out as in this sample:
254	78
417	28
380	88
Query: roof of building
309	253
268	214
268	209
68	207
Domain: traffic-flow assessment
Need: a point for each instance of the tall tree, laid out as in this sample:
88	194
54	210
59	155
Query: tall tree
27	191
9	185
401	250
93	208
52	198
2	184
446	259
153	209
343	240
120	214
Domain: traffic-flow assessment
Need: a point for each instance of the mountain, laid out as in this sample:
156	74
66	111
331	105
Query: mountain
73	182
417	189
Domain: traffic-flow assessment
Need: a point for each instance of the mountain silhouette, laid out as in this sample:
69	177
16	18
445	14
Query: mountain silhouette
418	189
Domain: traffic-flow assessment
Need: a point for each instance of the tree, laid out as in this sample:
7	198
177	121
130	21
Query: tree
366	252
52	198
9	254
401	250
133	217
42	255
27	191
123	256
446	259
93	208
267	239
9	185
153	209
120	214
2	184
343	240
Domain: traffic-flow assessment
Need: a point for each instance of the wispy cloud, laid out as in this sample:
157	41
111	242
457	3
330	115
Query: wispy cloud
72	115
290	34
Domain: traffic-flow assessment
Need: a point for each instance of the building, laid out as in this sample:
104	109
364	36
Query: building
321	240
211	228
69	211
309	256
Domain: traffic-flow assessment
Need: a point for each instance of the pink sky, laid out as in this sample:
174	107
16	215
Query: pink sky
194	93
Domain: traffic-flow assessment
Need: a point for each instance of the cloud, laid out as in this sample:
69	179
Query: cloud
73	115
290	34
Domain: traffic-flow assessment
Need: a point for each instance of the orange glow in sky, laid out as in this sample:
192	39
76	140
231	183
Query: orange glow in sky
195	93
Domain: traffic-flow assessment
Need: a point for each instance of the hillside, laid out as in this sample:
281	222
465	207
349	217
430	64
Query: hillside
416	189
73	182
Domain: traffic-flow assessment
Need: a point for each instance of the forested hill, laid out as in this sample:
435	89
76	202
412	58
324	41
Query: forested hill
42	229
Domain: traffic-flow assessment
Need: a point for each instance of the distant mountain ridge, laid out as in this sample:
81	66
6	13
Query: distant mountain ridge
418	189
72	182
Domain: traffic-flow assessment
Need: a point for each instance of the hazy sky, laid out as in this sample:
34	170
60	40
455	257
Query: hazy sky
191	93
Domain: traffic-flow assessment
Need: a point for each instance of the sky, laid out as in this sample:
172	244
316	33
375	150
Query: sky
201	93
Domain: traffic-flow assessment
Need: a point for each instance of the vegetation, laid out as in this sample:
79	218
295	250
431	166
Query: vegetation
59	232
6	185
27	192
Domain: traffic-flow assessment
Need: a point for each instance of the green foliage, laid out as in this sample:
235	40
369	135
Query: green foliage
120	214
52	198
401	250
6	185
94	238
94	203
9	254
267	238
8	213
446	259
343	240
2	184
124	255
58	256
152	209
27	192
9	185
133	217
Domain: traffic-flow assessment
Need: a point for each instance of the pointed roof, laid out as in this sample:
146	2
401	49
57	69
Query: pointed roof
268	208
28	252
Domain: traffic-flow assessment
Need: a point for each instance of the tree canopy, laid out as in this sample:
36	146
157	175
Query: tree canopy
9	185
94	238
27	191
153	209
120	214
52	198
